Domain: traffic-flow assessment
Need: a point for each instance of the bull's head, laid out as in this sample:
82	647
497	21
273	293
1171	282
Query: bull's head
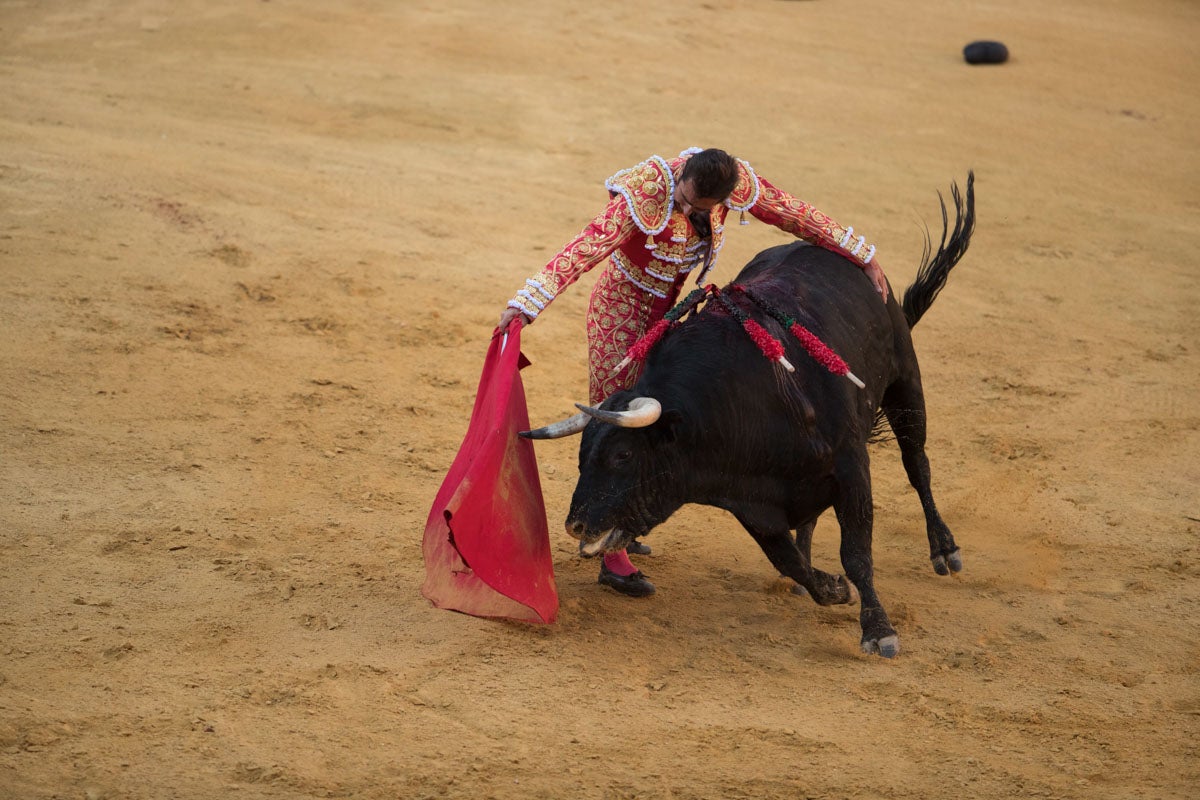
624	471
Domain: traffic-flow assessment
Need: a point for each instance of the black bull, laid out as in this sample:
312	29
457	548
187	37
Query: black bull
732	429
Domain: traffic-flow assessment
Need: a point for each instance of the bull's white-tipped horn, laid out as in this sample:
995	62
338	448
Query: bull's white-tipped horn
642	411
557	430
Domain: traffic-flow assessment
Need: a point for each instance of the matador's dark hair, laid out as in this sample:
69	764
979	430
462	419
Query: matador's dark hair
714	173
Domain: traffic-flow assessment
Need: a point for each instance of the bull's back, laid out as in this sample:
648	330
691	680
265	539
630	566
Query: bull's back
833	298
813	281
711	364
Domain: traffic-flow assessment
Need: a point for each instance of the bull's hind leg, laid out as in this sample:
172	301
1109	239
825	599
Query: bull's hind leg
771	532
904	405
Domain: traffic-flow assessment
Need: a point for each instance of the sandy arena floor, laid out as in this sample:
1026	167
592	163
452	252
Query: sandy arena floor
251	254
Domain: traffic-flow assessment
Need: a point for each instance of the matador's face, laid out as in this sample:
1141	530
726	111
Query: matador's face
687	201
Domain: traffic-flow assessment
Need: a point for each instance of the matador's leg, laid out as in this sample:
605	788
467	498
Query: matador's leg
618	315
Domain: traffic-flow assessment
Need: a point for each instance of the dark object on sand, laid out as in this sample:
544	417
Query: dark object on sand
985	52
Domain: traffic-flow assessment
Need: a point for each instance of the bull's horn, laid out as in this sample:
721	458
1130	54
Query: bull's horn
571	425
642	411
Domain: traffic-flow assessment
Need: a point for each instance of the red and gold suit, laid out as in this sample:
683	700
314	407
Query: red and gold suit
651	249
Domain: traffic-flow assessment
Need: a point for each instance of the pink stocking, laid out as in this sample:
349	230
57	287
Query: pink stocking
619	563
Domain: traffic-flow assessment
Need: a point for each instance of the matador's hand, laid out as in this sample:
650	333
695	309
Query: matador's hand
875	273
507	317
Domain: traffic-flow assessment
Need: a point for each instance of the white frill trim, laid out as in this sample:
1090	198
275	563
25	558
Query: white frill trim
753	197
659	275
870	254
667	259
684	268
528	295
524	309
612	185
541	289
688	256
846	239
861	241
624	270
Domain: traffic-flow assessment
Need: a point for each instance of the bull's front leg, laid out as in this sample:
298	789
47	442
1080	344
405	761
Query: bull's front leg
856	515
770	529
804	535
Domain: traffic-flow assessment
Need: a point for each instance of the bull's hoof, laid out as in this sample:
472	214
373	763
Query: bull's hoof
944	565
799	590
887	646
831	590
636	548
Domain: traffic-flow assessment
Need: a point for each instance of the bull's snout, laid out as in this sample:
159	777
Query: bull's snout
593	543
575	529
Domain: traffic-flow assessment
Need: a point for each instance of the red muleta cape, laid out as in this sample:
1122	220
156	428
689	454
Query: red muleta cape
487	545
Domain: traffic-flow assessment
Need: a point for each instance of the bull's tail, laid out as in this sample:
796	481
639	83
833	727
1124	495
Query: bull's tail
932	275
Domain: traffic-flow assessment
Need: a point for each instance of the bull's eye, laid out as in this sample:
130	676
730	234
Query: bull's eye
621	457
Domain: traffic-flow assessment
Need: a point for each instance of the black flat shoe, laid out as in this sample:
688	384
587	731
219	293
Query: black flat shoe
634	585
638	549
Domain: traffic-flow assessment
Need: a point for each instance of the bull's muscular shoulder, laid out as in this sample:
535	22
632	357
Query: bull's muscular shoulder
649	190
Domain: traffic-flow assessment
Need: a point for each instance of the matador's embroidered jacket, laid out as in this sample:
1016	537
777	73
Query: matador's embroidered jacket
652	248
